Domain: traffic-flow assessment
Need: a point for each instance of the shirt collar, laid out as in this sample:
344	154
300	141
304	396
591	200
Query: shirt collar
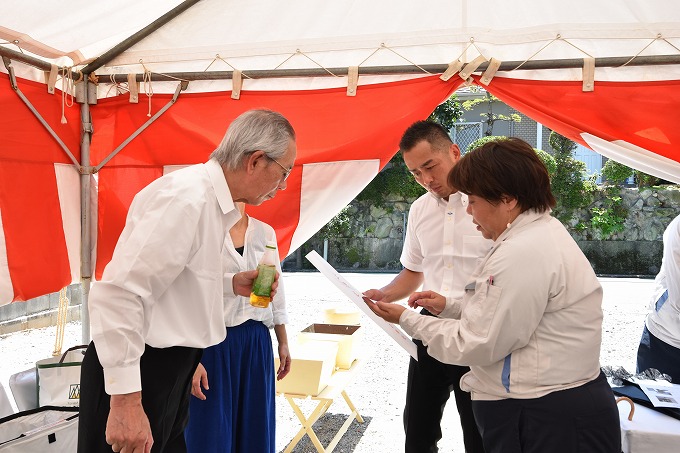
454	198
219	182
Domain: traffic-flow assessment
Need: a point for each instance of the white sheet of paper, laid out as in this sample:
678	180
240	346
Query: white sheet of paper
660	393
355	296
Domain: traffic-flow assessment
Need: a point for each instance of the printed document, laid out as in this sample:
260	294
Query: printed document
355	296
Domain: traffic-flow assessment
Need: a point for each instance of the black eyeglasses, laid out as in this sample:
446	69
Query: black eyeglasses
286	171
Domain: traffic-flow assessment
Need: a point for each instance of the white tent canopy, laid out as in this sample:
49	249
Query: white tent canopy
265	35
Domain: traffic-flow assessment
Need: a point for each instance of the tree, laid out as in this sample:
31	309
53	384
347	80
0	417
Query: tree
395	177
448	112
490	117
546	158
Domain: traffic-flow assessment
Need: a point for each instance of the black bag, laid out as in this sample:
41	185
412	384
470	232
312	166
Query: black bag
636	394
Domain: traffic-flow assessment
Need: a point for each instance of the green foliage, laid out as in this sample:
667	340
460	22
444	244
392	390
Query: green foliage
447	113
484	140
570	184
546	158
548	161
611	216
393	179
645	180
615	172
338	226
489	117
354	256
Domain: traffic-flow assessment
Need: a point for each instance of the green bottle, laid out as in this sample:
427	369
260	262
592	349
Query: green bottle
262	286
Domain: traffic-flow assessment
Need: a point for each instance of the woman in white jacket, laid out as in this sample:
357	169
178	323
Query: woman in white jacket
530	323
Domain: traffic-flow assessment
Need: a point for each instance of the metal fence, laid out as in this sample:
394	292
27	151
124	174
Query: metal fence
463	134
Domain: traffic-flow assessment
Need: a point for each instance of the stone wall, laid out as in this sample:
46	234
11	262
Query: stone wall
39	312
374	236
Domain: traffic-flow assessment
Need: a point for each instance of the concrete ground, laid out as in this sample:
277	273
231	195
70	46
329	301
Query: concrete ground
379	389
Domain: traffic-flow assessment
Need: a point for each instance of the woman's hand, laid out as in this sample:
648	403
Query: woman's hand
200	378
284	361
429	300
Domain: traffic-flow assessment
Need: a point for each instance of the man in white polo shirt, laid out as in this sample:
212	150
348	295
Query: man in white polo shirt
441	249
159	302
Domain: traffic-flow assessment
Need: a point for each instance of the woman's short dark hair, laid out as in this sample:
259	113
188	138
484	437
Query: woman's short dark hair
504	167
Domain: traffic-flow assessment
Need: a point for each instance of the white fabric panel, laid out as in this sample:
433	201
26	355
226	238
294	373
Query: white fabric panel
326	188
6	288
635	157
289	83
68	188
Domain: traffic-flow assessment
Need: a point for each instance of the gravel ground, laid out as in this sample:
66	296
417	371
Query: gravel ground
379	389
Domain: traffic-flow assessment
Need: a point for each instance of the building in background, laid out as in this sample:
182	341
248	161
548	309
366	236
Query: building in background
474	126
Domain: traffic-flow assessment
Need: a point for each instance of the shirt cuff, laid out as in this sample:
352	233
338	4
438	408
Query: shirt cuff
452	309
228	283
122	380
407	321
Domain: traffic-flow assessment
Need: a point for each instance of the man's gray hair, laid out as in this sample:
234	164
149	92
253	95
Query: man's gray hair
254	130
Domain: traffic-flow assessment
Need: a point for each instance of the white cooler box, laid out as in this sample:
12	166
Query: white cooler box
42	430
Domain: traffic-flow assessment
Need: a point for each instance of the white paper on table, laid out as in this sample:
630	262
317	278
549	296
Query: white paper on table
661	393
355	296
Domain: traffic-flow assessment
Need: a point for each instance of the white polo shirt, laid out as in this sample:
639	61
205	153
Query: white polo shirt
164	284
443	243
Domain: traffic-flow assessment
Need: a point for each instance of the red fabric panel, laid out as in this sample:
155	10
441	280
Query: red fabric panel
642	113
23	137
34	235
329	125
117	188
29	204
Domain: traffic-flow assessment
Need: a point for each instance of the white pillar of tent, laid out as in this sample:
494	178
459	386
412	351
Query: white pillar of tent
85	213
539	136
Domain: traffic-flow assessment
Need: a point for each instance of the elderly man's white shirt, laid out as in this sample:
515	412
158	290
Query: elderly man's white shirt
165	283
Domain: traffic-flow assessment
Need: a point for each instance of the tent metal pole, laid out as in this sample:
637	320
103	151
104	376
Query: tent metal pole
180	87
85	214
15	87
136	37
606	62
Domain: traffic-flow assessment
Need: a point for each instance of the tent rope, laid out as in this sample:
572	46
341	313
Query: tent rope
536	53
559	37
658	37
299	52
384	46
67	85
218	57
148	86
121	87
62	311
